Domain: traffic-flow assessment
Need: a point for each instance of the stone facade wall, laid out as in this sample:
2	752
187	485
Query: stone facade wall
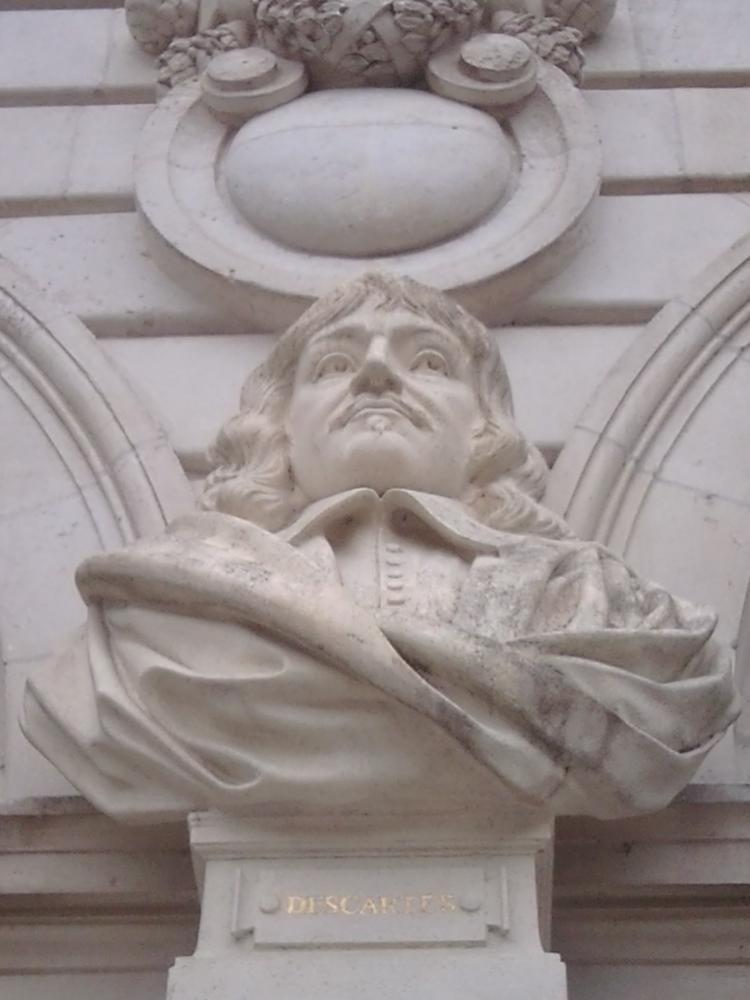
645	908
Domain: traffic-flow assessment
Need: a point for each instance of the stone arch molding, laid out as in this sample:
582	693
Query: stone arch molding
84	468
658	466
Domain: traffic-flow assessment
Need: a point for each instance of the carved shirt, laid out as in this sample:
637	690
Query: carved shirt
384	555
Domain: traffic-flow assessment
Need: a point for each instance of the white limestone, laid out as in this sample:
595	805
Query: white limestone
384	505
54	157
639	251
85	154
714	137
85	468
641	139
657	139
491	70
244	82
507	248
446	911
98	268
62	857
81	54
639	256
551	369
364	43
35	51
696	43
393	641
663	445
693	943
698	39
344	174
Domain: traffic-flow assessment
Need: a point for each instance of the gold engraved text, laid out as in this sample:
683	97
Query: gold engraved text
428	904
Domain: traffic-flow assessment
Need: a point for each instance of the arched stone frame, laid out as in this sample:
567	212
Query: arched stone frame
85	468
658	465
742	727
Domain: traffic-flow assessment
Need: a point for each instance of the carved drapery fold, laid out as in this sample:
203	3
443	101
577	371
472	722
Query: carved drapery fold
85	468
657	466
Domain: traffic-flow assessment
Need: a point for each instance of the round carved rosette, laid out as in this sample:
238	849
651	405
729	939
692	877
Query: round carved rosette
350	43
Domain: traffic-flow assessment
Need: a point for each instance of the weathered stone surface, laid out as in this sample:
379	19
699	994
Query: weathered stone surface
550	368
344	173
339	179
661	451
425	607
448	909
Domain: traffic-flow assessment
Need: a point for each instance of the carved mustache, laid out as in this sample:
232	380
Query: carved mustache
413	413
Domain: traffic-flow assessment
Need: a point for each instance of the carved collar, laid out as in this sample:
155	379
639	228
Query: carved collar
448	517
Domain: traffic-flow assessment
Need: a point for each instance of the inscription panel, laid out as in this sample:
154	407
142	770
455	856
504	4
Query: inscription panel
347	905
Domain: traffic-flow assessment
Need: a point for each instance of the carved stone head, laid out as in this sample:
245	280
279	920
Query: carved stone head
382	383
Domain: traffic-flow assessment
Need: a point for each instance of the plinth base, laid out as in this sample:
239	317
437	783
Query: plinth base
432	974
441	912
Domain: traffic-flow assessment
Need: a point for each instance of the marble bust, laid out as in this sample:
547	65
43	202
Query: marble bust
375	612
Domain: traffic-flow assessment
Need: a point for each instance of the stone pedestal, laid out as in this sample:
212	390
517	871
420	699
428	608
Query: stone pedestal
429	911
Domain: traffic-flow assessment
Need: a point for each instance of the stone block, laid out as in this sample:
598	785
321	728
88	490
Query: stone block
69	157
640	252
713	129
640	138
344	912
72	56
653	142
713	568
72	986
692	39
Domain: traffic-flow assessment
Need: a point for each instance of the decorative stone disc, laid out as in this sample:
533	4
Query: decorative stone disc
340	174
267	218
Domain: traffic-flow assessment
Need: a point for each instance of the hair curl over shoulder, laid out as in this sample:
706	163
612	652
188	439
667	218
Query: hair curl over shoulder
252	477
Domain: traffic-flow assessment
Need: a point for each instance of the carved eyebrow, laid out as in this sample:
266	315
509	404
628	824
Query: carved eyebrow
338	334
347	333
437	336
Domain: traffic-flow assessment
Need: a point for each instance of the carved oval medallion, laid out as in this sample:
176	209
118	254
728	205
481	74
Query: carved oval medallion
490	250
341	174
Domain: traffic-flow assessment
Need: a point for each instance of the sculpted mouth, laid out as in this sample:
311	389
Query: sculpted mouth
395	407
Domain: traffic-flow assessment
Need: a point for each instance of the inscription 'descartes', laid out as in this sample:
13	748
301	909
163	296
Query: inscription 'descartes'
371	906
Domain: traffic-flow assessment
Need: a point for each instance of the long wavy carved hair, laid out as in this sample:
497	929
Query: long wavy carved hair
252	476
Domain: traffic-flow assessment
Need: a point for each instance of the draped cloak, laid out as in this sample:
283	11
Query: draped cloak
224	666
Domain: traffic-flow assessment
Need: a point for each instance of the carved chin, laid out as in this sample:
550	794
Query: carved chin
378	442
383	458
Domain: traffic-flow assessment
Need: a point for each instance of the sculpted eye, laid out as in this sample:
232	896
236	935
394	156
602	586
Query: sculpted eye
332	365
430	363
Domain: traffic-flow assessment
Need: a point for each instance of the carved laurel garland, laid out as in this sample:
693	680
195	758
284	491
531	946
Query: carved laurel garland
154	24
317	28
51	362
552	40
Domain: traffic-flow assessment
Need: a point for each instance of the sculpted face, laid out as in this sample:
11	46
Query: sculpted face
383	399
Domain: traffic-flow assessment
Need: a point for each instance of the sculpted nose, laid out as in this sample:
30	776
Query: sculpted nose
376	375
